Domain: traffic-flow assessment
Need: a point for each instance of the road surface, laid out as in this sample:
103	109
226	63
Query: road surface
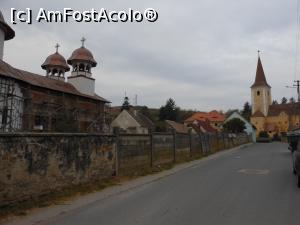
253	185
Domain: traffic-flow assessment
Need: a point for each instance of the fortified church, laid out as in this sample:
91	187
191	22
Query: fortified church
272	118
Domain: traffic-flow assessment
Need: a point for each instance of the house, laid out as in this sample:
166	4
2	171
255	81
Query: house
132	122
54	102
178	127
250	129
214	118
269	117
203	127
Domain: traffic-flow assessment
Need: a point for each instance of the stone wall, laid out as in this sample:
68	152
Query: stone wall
36	164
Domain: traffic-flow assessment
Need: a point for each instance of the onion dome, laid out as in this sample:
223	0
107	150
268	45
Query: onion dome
8	31
55	60
82	55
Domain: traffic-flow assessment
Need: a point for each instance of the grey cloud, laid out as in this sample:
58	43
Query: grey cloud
201	53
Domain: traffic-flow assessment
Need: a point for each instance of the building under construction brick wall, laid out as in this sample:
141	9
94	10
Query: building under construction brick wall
51	103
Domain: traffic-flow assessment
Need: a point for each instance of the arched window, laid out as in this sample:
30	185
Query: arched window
54	72
81	67
258	93
88	69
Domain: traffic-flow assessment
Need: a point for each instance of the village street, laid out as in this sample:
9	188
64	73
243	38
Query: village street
252	185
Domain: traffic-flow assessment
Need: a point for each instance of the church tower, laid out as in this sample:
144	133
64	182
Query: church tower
82	61
260	91
56	66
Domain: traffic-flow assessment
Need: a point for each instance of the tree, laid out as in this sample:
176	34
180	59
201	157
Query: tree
169	111
284	100
274	102
234	126
126	104
246	113
292	100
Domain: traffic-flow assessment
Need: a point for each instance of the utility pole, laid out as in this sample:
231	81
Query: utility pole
297	85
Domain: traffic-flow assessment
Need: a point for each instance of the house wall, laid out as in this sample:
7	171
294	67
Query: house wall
127	123
36	164
2	38
283	121
217	125
259	123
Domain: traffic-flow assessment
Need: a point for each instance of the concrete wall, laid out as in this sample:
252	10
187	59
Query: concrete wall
1	44
35	164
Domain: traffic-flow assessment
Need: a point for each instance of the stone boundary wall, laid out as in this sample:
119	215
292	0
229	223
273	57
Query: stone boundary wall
34	164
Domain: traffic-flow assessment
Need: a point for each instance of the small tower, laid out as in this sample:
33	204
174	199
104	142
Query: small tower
82	60
56	66
6	33
260	91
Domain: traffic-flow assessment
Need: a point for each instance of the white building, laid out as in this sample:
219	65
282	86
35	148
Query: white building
250	129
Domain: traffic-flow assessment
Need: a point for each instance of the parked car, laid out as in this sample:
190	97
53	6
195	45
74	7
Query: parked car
294	147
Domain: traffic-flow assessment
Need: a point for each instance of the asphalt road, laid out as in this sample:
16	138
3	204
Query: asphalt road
251	186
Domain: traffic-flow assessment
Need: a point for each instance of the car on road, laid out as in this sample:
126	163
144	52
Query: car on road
294	147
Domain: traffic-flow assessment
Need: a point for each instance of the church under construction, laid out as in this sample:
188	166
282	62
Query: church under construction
51	103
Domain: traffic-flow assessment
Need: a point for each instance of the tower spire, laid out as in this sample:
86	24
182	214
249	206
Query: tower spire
260	78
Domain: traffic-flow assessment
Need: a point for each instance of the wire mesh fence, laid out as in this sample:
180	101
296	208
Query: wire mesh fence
139	152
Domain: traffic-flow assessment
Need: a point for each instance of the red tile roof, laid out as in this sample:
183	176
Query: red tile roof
272	127
213	116
260	78
42	81
178	127
203	127
289	108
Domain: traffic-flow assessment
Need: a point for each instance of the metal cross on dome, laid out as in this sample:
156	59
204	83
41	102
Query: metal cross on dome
83	40
57	46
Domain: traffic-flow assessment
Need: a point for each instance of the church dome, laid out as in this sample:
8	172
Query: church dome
82	54
8	31
54	60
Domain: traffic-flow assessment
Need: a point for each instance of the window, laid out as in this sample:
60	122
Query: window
258	93
81	67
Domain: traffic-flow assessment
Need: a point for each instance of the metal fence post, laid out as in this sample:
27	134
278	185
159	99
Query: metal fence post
117	143
174	146
151	149
190	142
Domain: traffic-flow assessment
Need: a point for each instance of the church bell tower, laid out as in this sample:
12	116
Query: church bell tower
82	62
260	91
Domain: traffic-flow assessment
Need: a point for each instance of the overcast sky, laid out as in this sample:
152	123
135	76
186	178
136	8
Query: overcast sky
202	53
